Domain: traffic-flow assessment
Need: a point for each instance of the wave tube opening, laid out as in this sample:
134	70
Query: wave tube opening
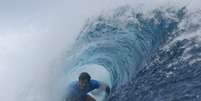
97	72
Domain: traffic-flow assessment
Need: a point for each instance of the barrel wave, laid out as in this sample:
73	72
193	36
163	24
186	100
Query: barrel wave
150	55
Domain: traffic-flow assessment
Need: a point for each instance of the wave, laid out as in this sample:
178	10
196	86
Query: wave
132	46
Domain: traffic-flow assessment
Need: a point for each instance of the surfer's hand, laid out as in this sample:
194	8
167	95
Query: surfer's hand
107	90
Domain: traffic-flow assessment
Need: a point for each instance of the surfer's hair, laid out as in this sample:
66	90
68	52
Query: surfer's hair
84	76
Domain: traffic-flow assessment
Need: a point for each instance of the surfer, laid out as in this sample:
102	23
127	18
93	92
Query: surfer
78	90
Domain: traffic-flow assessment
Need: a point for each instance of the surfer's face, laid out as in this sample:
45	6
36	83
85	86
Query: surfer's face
83	83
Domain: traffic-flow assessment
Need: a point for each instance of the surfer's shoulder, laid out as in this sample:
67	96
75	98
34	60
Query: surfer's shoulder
95	83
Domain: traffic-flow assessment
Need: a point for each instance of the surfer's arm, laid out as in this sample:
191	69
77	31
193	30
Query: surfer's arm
105	87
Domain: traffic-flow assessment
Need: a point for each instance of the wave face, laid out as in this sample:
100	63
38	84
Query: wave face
146	53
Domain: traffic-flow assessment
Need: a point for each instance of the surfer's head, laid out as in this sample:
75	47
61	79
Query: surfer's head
84	79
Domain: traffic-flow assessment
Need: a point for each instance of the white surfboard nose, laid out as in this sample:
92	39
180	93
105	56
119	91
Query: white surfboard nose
96	72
